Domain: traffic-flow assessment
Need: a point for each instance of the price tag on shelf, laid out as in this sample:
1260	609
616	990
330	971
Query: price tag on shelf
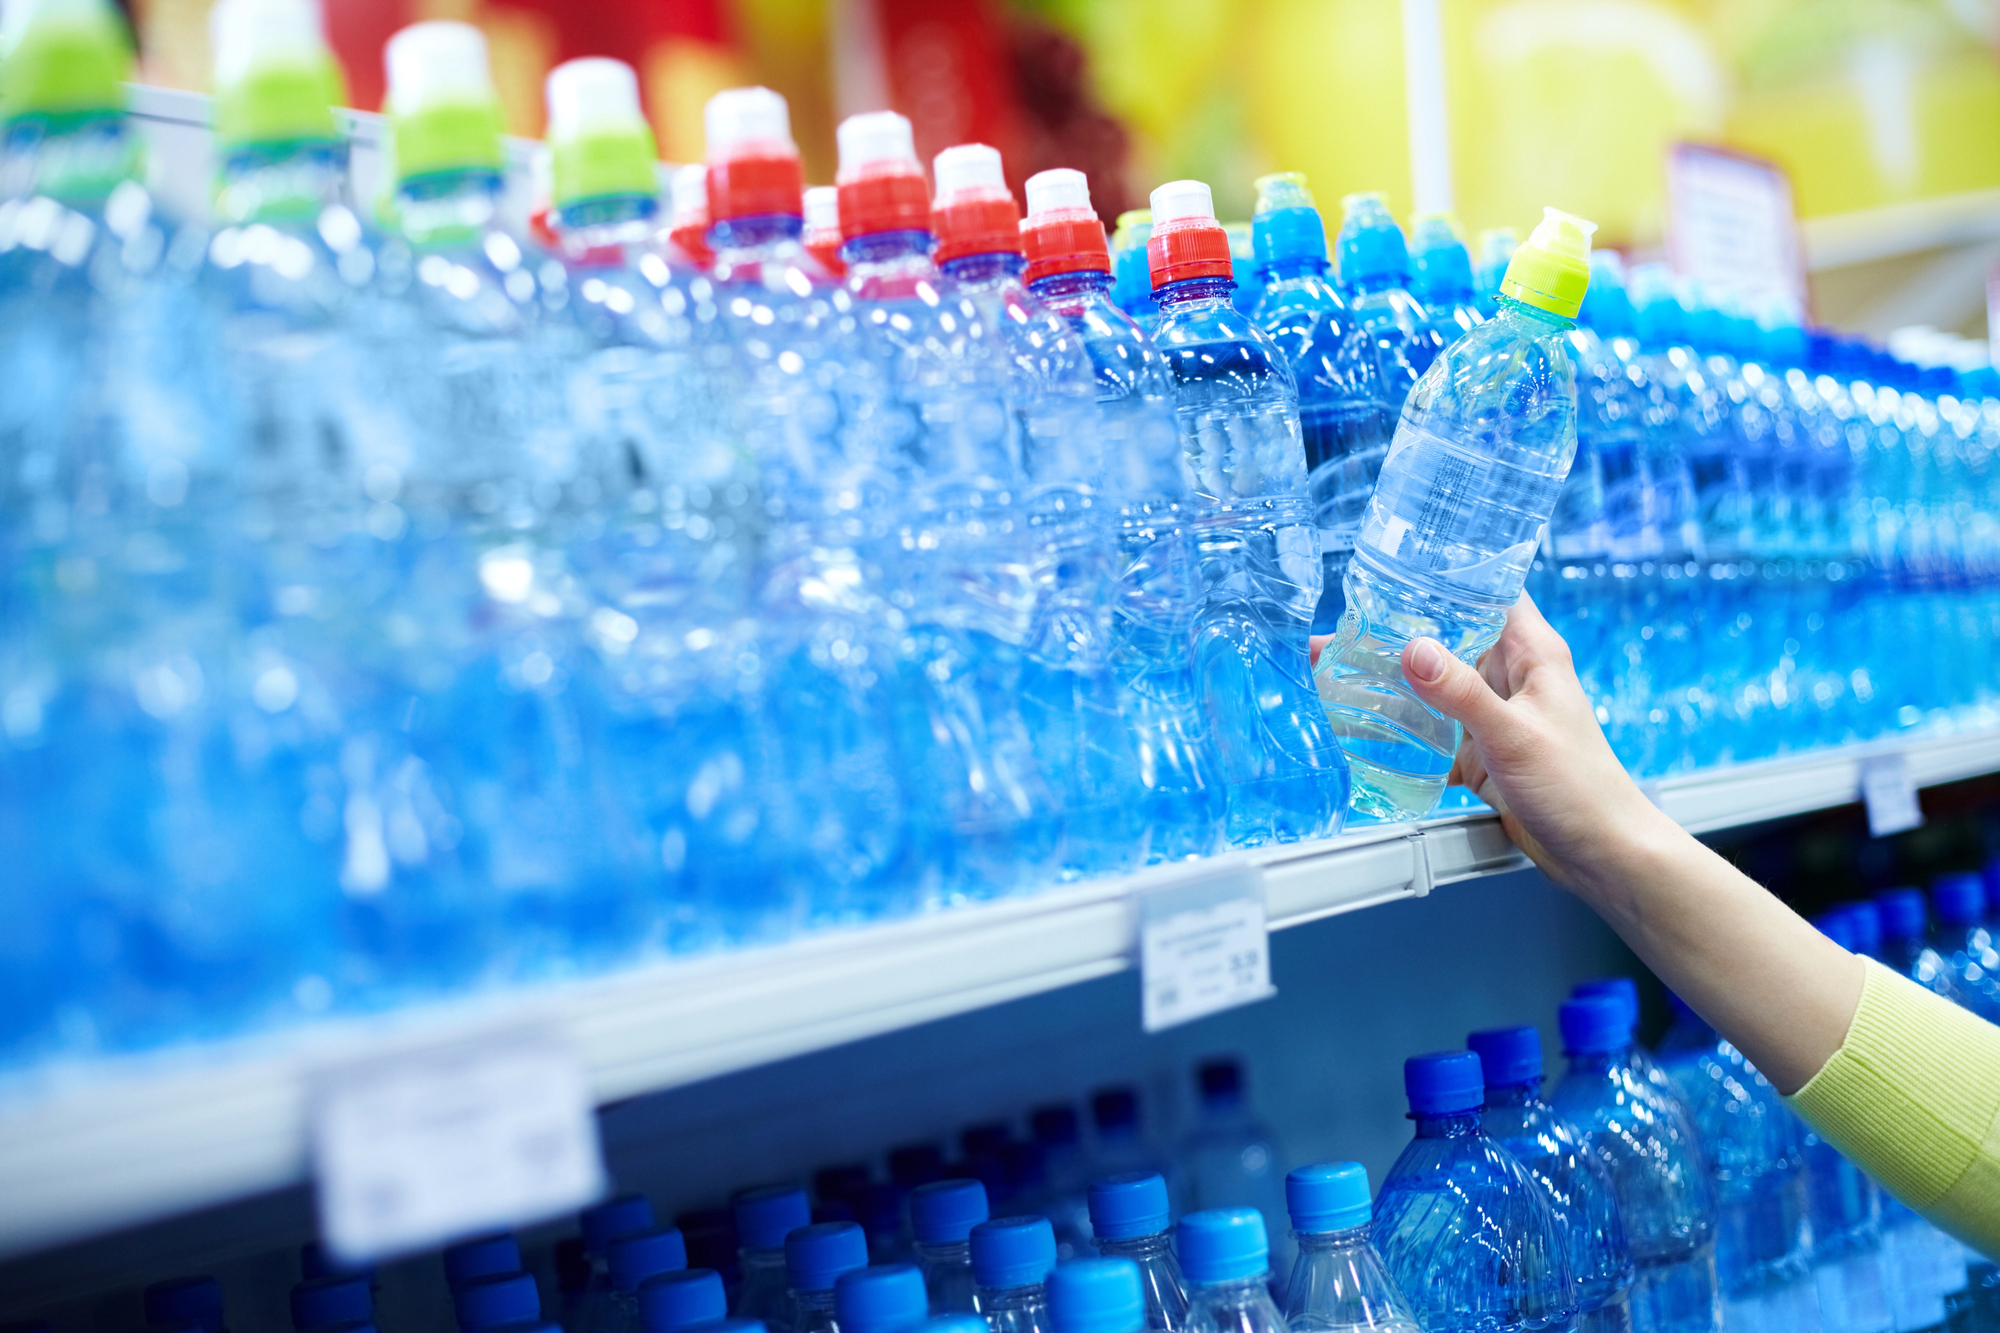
415	1150
1890	795
1203	947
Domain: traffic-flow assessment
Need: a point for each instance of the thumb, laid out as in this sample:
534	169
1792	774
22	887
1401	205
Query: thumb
1453	688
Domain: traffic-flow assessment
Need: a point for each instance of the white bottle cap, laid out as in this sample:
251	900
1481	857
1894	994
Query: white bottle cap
595	93
250	34
968	170
440	63
690	196
875	140
1063	190
1178	200
739	118
823	208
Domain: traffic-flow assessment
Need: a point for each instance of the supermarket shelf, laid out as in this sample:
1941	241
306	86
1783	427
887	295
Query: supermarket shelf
121	1143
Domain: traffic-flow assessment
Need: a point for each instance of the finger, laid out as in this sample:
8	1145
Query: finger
1453	688
1318	641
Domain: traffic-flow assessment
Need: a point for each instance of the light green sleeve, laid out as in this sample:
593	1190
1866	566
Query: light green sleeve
1913	1098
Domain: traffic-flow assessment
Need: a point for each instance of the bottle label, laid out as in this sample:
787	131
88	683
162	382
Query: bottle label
1203	947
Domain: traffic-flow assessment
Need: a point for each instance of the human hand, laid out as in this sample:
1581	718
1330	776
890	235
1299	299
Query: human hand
1533	751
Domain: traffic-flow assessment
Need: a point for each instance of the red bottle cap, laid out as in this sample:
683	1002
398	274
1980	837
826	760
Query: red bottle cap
1187	241
1062	233
881	184
753	165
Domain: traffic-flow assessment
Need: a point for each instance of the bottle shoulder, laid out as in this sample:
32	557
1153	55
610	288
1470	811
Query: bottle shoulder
1509	377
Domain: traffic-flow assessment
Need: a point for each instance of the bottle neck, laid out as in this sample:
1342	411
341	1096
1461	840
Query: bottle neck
1136	1247
595	224
1524	1093
1070	286
78	165
814	1300
1295	266
1231	1291
1332	1242
946	1252
1446	1125
883	248
448	207
755	232
762	1261
1192	293
993	267
1011	1298
1598	1062
288	182
1535	314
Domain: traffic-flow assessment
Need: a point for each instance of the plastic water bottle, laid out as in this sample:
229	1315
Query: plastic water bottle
1495	249
1121	1142
1347	412
1231	1159
942	1216
815	1258
932	386
1963	946
1479	458
1467	1235
686	1298
764	1217
1338	1282
1243	256
1097	1296
1755	1149
502	1300
631	1259
485	1256
1227	1263
1575	1179
1238	410
1661	1182
1129	1220
1069	695
1141	477
1638	1059
319	1302
1011	1259
687	218
1375	273
882	1298
822	618
1132	282
1441	277
1057	1133
822	230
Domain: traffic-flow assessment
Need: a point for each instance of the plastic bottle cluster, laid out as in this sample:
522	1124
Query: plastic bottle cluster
1771	541
1671	1191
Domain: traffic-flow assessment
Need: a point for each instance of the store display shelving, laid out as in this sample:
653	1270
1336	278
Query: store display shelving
118	1143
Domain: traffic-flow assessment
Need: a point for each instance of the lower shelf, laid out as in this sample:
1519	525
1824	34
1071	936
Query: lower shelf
88	1149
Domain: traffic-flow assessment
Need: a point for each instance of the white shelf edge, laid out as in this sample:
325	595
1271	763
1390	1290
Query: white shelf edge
132	1141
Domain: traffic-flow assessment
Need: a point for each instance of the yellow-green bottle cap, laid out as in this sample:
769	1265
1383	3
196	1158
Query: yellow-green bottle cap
444	114
275	79
63	60
1128	233
1552	270
599	142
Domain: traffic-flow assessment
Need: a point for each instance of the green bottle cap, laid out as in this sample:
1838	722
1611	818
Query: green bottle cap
599	142
1552	270
444	114
64	61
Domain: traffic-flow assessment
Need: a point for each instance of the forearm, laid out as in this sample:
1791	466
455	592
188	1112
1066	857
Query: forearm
1763	977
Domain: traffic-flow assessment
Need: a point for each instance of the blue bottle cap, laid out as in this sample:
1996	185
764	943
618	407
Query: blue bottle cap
1288	233
1013	1251
1507	1055
817	1255
1866	919
1128	1205
768	1214
957	1323
604	1222
496	1299
1622	989
482	1256
681	1299
1371	244
882	1298
1440	269
1443	1082
331	1300
1097	1296
184	1302
1902	914
1837	926
944	1212
1959	901
1328	1196
1222	1245
638	1255
1594	1025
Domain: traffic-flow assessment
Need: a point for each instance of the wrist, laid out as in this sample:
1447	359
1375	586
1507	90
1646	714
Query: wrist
1641	844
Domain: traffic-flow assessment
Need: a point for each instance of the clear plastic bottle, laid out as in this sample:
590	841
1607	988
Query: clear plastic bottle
631	1259
942	1216
1467	1235
1129	1220
928	387
1575	1180
1097	1296
1755	1149
815	1258
1011	1260
685	1298
1141	478
1231	1158
1664	1197
326	1301
1227	1263
1347	413
1338	1282
882	1298
1374	275
1441	276
1479	458
1132	281
1238	410
1122	1144
764	1217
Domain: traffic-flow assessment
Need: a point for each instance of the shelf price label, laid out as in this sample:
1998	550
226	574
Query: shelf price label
1890	794
412	1151
1203	947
